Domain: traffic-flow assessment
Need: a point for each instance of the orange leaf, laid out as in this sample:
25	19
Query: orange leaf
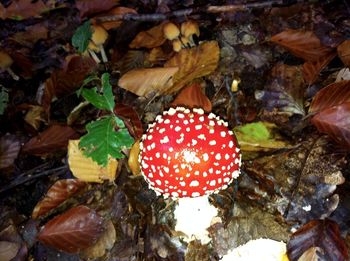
303	44
311	70
344	52
193	63
73	231
151	38
9	149
56	195
144	81
193	97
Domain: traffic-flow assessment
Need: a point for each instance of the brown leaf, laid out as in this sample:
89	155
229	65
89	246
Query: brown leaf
120	10
335	121
344	52
131	119
151	38
56	195
51	140
8	250
9	149
89	7
144	81
324	234
192	96
75	230
23	9
331	95
303	44
35	116
193	63
311	70
31	34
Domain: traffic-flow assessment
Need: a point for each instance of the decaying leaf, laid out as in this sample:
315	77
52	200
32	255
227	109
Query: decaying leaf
344	52
193	63
145	81
9	149
303	44
131	119
259	136
56	195
35	116
323	234
53	139
312	254
89	7
192	96
151	38
311	70
23	9
8	250
73	231
120	10
133	160
86	169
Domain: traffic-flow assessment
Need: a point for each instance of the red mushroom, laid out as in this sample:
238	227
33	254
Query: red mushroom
187	153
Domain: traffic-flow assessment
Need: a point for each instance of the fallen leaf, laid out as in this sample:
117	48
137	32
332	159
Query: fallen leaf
259	136
32	34
323	234
133	160
344	52
303	44
332	95
335	121
73	231
120	10
9	149
53	139
311	70
86	169
23	9
56	195
312	254
8	250
151	38
343	75
193	63
131	119
192	96
89	7
145	81
35	116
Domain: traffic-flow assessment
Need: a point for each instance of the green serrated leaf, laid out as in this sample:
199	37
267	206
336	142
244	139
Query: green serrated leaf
86	81
102	140
4	98
82	36
104	101
255	131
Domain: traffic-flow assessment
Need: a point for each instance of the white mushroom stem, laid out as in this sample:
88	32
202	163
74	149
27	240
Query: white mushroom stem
94	56
103	53
13	75
194	216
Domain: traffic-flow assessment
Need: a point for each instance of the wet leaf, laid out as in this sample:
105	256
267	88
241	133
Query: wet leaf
335	122
120	10
23	9
344	52
9	149
89	7
151	38
145	81
259	136
311	70
131	119
303	44
52	139
331	95
75	230
82	36
192	96
86	169
323	234
56	195
193	63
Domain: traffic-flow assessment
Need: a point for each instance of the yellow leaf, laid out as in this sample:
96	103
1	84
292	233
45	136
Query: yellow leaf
144	81
193	63
86	169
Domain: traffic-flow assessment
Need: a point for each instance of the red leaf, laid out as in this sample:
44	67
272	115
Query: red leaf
73	231
311	70
89	7
192	96
57	194
332	95
318	233
9	149
133	122
303	44
335	122
54	138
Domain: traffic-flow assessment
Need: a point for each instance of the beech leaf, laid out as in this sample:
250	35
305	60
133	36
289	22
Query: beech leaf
82	36
75	230
89	7
9	149
344	52
131	119
311	70
151	38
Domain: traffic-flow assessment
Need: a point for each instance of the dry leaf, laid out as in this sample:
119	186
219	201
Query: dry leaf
344	52
8	250
192	96
35	116
89	7
145	81
193	63
9	149
130	118
151	38
311	70
303	44
120	10
133	160
75	230
86	169
22	9
32	34
56	195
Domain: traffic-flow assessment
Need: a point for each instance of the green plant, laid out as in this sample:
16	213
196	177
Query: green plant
82	36
107	136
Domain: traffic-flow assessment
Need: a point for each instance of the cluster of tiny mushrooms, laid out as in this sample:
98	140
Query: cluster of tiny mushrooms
187	153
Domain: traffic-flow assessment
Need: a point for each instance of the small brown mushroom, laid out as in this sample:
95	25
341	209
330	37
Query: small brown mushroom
5	64
98	38
188	29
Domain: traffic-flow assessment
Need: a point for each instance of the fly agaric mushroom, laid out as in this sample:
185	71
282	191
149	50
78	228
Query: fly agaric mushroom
188	29
99	36
187	155
5	64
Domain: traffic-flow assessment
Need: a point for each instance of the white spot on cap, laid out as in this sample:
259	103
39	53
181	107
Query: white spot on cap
198	127
171	149
201	136
217	171
165	155
194	183
167	121
177	128
205	174
196	173
195	194
158	182
185	122
144	165
164	140
205	157
166	169
194	142
223	134
162	130
198	110
181	115
183	183
212	123
157	155
212	142
212	183
218	156
230	144
227	156
149	137
174	194
171	111
235	174
226	180
211	170
188	129
201	118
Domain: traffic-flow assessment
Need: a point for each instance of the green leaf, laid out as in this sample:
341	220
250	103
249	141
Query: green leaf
86	81
82	36
104	101
4	98
255	131
102	140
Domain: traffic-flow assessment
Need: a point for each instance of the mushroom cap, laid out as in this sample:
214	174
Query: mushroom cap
187	153
189	28
99	35
171	31
5	60
177	45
